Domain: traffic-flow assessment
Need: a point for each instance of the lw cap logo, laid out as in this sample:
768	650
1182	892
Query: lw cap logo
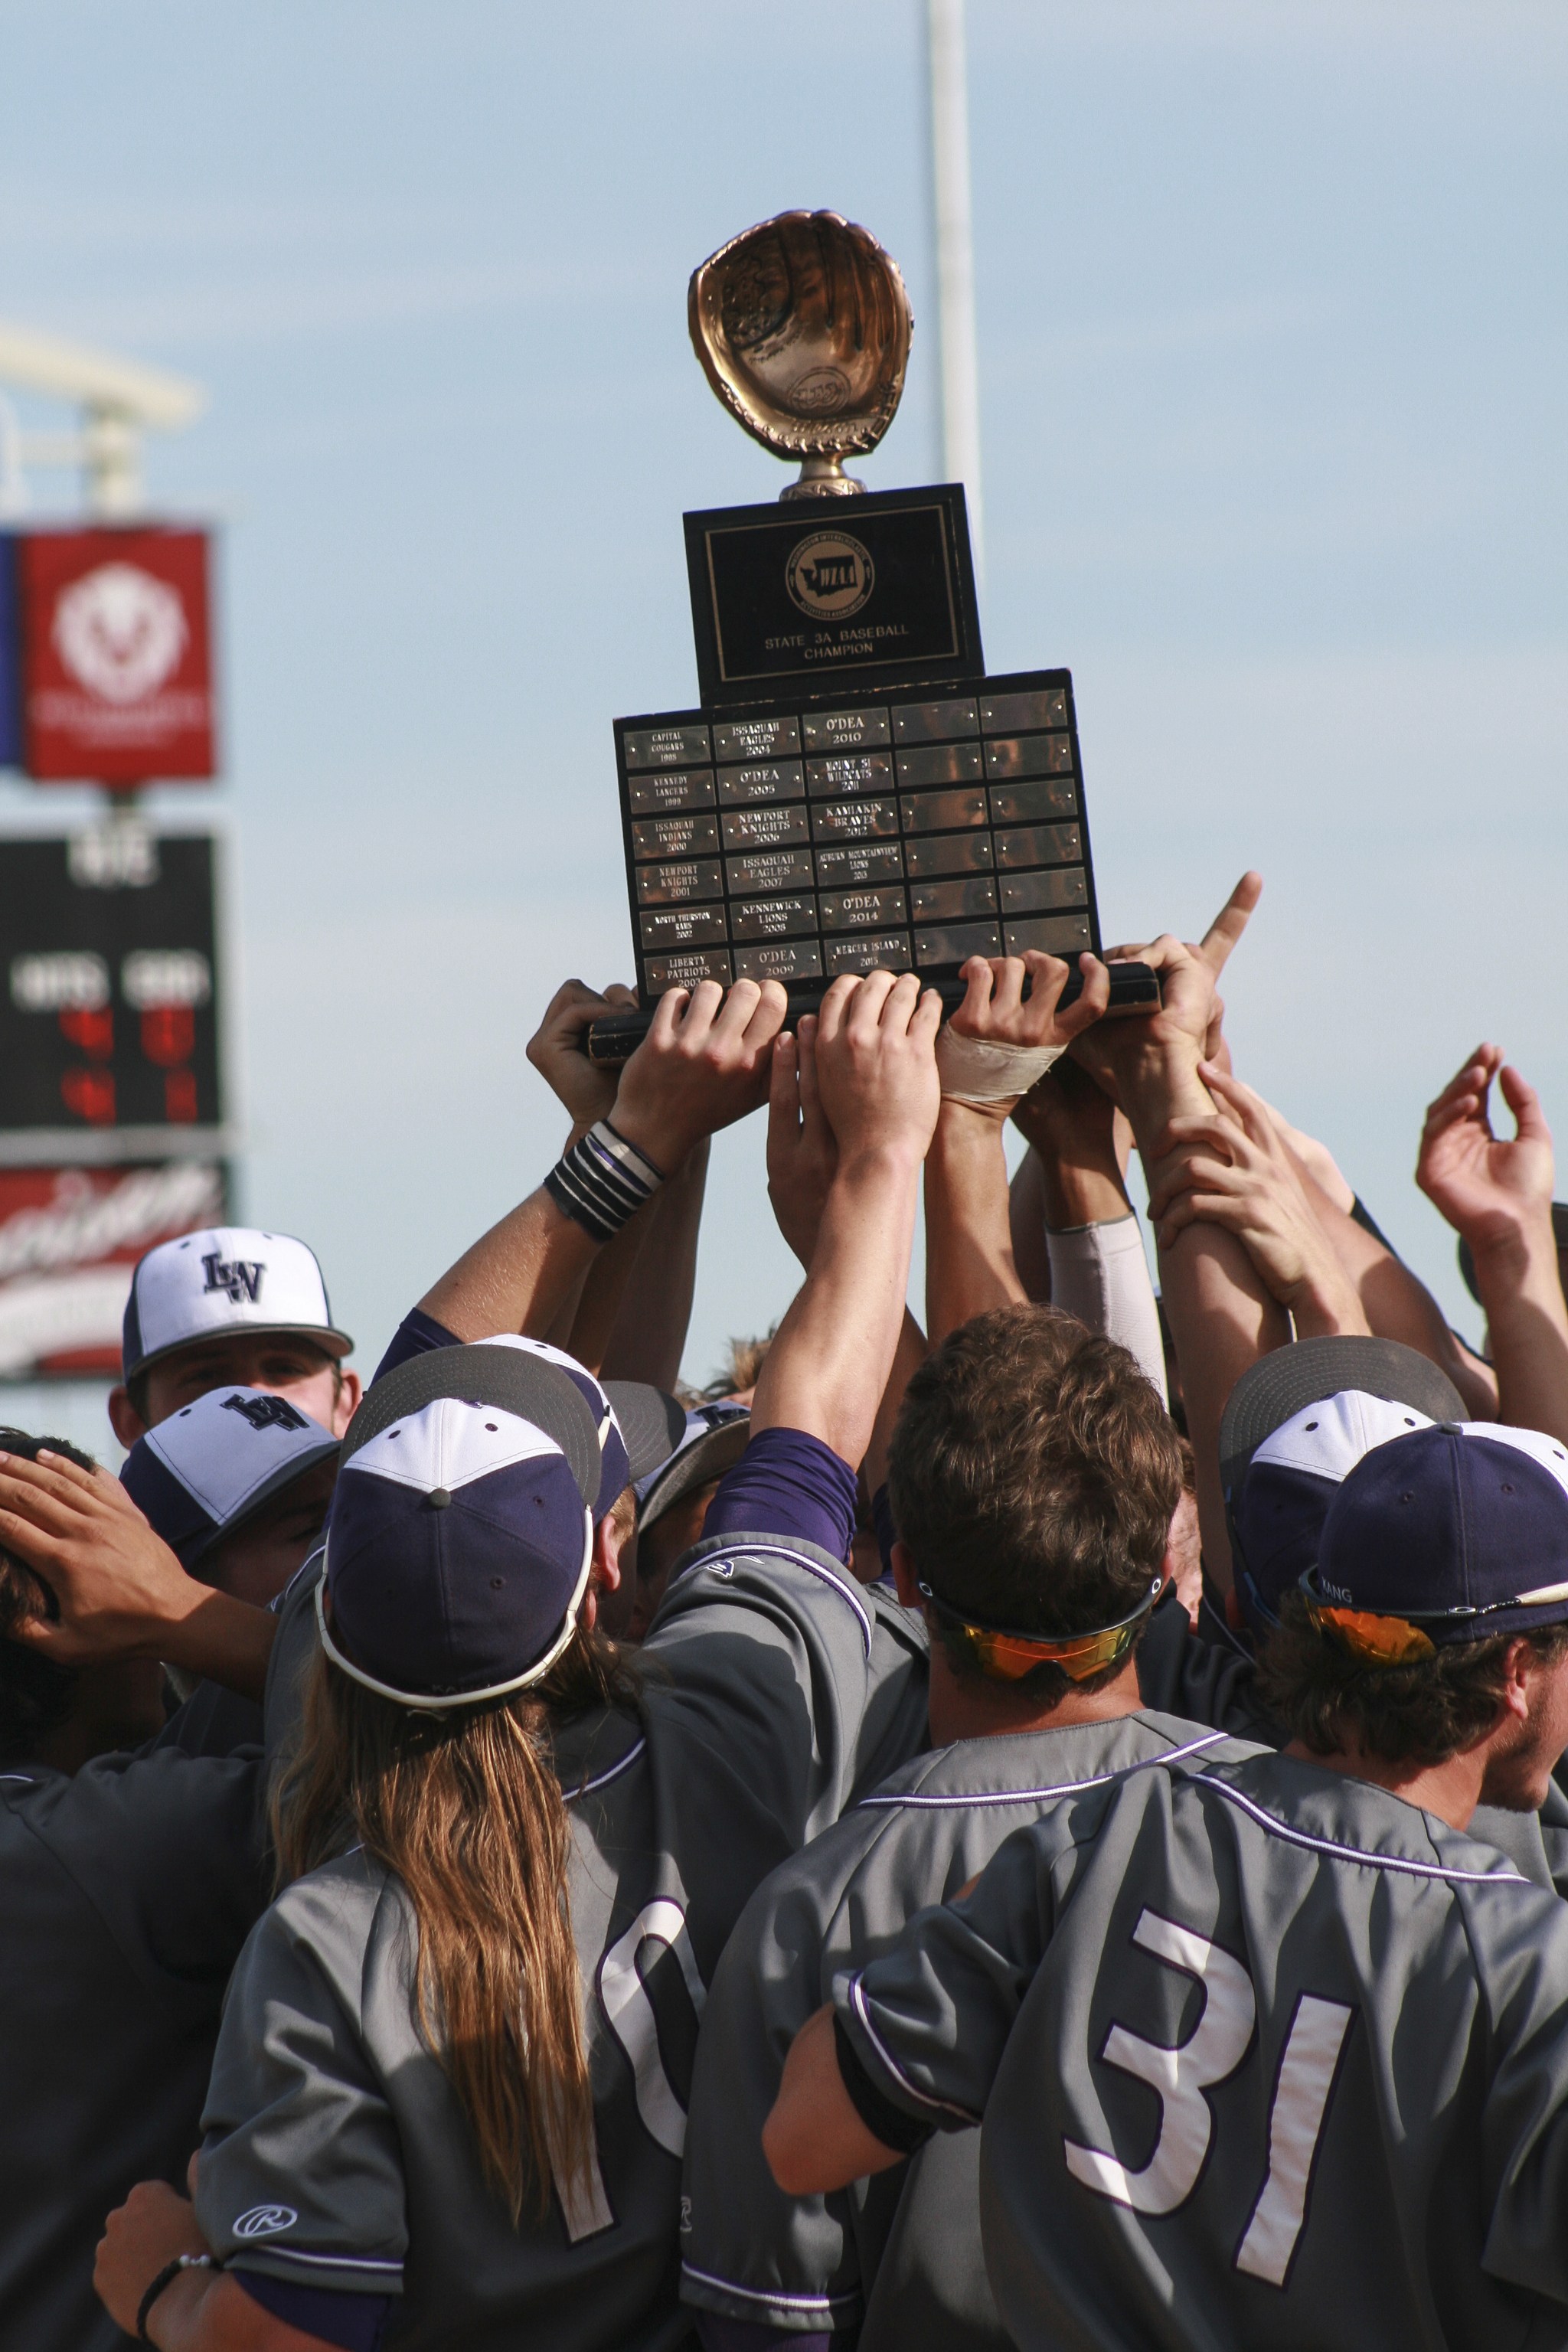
830	575
265	2220
120	632
239	1276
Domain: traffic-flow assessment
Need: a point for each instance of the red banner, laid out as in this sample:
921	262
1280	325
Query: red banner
68	1239
117	660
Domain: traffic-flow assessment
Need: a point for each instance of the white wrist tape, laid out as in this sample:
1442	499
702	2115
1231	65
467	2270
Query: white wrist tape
974	1070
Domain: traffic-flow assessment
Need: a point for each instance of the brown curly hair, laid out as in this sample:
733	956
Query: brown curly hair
1419	1713
1032	1474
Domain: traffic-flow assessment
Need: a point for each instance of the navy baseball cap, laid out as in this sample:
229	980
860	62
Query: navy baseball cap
201	1474
462	1532
1450	1534
1296	1422
222	1280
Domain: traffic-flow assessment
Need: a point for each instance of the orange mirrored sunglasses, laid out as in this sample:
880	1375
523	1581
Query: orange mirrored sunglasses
1009	1657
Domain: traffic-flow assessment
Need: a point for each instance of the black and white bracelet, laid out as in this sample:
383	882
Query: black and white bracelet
603	1181
165	2277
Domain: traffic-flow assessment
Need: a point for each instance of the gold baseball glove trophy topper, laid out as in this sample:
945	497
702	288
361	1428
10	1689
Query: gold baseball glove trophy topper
803	329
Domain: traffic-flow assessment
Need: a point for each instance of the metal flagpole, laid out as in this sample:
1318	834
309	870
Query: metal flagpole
955	259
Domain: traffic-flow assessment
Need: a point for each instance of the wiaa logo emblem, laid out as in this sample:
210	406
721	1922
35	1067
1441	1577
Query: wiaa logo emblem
265	2221
830	575
120	632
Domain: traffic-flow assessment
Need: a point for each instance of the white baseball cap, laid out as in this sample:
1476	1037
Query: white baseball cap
226	1279
212	1464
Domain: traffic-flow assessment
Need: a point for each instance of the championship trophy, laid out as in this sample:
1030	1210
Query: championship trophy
853	791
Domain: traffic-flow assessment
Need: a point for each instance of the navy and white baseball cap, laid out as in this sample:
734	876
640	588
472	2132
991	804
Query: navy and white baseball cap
204	1470
1293	1425
1449	1534
225	1279
1277	1511
639	1426
461	1531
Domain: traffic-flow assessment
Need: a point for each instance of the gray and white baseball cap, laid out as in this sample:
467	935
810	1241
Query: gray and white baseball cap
204	1471
1294	1426
225	1279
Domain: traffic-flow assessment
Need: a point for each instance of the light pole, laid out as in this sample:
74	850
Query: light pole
119	400
954	259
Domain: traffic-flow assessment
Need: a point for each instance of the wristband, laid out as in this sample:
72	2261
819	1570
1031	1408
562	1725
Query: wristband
166	2277
975	1071
603	1181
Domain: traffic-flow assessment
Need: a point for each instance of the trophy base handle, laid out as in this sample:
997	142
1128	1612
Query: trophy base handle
823	478
1135	988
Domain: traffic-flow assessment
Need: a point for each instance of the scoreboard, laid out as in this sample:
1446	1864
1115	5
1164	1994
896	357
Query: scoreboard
798	839
109	1007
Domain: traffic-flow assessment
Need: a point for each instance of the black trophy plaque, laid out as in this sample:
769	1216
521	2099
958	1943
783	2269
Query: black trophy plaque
823	593
898	828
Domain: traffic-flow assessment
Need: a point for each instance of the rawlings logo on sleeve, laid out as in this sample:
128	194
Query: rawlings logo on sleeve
265	2221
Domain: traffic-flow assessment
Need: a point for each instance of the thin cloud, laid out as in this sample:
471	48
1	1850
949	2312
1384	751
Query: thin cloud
276	311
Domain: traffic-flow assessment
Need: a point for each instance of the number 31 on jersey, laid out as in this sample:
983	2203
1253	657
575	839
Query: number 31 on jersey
1210	2056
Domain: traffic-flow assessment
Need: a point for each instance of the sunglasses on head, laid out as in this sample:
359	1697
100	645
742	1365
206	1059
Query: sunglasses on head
1007	1656
1382	1641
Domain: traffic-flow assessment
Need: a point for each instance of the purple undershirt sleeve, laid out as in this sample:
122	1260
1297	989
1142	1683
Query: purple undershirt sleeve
337	2316
787	1483
415	1336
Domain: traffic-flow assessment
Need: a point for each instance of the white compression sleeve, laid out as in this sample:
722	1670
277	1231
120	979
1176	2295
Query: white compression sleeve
1100	1274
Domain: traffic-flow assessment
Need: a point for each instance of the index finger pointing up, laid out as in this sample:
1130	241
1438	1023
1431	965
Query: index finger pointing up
1226	931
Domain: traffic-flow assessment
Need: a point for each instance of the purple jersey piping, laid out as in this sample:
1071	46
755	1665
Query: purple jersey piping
1357	1854
828	2302
1043	1796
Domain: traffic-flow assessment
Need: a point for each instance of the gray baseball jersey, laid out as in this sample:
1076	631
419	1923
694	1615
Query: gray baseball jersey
1211	1677
1265	2055
130	1887
336	2153
807	2264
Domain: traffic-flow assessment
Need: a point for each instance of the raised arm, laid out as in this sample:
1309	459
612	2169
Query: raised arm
1221	1314
1233	1169
1087	1229
1496	1193
703	1063
1395	1301
875	1072
628	1318
802	1154
995	1048
648	1337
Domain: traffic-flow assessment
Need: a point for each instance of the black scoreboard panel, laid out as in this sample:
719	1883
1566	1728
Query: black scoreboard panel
108	1011
797	840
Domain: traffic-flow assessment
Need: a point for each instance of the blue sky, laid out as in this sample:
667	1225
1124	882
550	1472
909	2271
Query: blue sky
1272	351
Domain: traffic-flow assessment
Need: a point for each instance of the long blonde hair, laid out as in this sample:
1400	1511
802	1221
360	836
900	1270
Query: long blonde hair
467	1811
